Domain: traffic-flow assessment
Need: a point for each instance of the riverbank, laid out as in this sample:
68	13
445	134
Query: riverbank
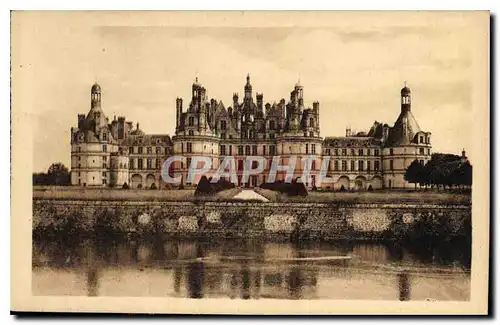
187	195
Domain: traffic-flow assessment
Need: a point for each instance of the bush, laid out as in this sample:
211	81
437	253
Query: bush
296	188
206	187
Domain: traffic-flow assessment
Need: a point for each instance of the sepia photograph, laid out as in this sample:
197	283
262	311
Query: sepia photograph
250	162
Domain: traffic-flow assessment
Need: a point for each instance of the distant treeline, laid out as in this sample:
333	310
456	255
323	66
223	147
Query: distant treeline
446	170
57	174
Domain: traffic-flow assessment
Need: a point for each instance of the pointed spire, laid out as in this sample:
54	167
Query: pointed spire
137	125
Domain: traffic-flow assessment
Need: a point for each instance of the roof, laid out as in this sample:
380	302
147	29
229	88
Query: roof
96	88
351	141
404	130
148	140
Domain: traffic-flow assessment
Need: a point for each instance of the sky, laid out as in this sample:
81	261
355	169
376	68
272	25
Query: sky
354	67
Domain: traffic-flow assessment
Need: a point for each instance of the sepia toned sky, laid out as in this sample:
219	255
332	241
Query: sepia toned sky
354	65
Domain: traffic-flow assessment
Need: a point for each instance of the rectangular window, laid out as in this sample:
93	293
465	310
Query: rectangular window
230	150
139	150
104	148
391	164
149	163
132	163
104	165
307	148
222	150
344	152
240	150
376	167
368	165
336	165
104	182
313	149
361	165
271	136
272	150
158	163
327	152
223	135
158	150
377	152
353	165
191	121
150	150
188	162
130	149
264	150
391	151
247	150
254	150
105	136
79	149
79	158
103	174
189	148
344	165
353	153
139	163
368	151
421	151
223	125
360	152
336	152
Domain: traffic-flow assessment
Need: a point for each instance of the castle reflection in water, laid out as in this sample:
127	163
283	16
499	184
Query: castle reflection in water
249	270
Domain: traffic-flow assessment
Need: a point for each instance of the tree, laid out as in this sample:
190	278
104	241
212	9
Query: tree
58	174
413	172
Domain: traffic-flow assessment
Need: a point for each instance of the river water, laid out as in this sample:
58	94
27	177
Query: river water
240	269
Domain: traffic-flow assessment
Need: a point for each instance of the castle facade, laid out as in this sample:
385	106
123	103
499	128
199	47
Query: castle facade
112	154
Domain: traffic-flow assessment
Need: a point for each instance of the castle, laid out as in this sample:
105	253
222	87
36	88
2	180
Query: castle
112	154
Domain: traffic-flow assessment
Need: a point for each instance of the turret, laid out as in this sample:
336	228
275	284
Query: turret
95	96
405	99
248	89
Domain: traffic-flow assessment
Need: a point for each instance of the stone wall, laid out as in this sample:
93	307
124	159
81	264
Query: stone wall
267	220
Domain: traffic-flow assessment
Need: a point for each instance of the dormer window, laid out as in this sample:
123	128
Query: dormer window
104	136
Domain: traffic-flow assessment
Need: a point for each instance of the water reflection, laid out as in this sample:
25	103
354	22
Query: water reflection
250	270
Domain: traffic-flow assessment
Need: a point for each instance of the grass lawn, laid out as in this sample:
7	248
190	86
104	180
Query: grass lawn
422	197
108	194
410	196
